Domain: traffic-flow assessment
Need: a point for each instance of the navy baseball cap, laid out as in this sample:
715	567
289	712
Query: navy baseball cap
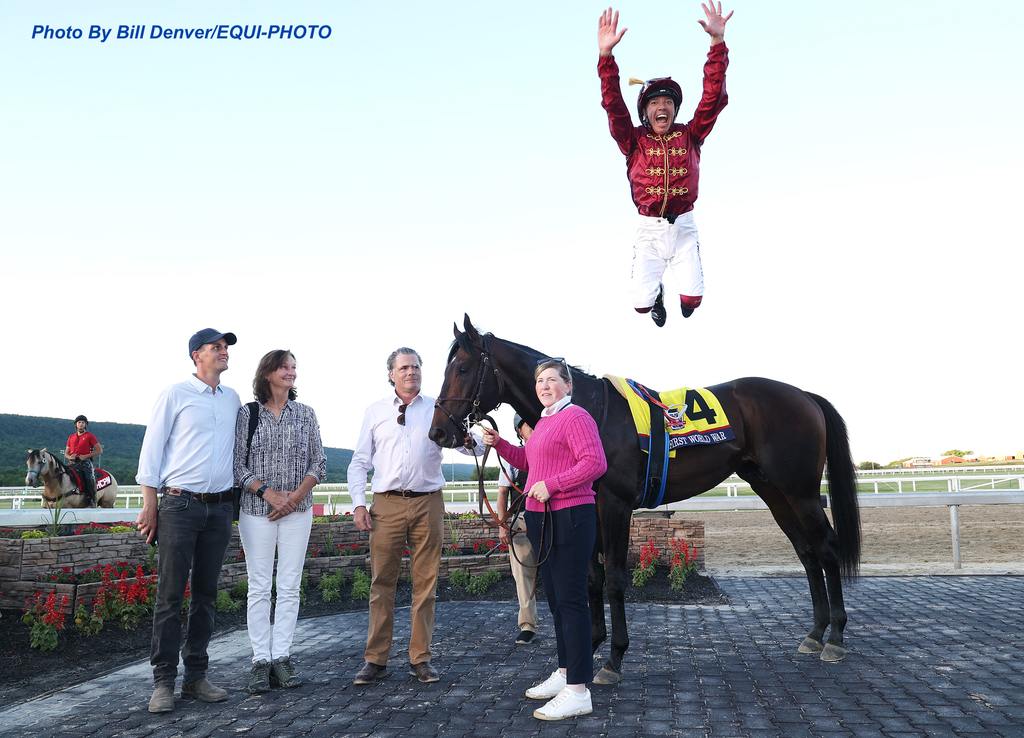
209	335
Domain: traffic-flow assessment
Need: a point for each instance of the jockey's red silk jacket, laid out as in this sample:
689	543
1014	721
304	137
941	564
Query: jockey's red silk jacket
663	170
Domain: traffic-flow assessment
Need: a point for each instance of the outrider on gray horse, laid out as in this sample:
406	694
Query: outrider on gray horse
784	438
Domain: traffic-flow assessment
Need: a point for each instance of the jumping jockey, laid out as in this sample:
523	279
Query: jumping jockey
82	447
662	160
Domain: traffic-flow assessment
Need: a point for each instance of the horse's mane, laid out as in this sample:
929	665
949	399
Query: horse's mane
61	466
463	341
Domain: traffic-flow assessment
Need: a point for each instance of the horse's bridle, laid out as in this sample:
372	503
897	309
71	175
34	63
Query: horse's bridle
33	474
475	415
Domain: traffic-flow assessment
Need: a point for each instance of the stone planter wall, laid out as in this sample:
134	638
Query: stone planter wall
23	562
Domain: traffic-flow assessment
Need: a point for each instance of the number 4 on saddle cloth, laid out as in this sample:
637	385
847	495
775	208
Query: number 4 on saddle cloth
690	416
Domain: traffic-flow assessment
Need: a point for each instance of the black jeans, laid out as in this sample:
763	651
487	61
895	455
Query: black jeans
192	536
570	534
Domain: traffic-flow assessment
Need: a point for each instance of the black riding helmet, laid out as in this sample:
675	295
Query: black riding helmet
658	87
82	417
517	423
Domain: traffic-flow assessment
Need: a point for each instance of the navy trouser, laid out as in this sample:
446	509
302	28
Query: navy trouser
568	544
192	535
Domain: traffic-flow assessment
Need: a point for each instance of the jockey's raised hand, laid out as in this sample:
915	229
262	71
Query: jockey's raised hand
608	34
715	23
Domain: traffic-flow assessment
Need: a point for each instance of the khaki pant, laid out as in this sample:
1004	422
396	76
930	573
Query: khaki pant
416	522
525	576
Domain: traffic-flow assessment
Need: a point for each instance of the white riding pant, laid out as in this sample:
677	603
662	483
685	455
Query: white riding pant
661	245
261	537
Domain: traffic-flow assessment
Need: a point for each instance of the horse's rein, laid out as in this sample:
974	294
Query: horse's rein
515	510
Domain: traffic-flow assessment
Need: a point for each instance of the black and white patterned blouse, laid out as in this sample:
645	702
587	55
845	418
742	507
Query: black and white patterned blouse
284	451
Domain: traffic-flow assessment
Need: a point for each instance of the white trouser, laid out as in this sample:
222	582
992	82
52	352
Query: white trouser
261	537
660	245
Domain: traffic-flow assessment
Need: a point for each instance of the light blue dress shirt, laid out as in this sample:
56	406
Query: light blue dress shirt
190	438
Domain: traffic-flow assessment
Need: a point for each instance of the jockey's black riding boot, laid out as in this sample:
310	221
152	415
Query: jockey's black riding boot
89	482
658	312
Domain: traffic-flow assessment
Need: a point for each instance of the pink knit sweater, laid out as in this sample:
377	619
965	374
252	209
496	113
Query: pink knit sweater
564	452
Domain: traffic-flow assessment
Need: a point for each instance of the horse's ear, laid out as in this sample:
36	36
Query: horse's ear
470	329
455	327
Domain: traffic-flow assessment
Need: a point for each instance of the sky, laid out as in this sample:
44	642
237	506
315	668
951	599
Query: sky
340	197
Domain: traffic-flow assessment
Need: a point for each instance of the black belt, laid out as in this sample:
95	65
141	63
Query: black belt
671	217
225	496
406	493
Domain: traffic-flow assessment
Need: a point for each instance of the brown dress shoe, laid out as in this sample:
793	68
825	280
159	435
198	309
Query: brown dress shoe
424	672
202	690
370	673
162	699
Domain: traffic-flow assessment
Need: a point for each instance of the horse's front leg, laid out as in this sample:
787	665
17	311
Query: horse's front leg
615	536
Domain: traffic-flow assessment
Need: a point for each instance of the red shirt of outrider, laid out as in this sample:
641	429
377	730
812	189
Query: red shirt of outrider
83	444
663	170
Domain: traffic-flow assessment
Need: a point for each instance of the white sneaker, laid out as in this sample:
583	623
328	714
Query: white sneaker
567	703
548	688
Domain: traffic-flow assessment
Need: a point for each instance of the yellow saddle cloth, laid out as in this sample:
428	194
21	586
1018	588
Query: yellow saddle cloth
692	415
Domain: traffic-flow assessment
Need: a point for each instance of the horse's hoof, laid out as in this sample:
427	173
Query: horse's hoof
810	645
833	653
607	676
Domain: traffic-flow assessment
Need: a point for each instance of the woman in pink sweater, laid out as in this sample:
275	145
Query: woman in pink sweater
562	458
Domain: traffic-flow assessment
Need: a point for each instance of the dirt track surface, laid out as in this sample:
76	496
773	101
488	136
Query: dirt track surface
900	540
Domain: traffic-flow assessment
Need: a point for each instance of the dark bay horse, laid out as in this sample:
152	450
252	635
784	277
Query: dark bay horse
784	437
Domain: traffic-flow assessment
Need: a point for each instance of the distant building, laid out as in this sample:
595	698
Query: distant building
947	460
917	462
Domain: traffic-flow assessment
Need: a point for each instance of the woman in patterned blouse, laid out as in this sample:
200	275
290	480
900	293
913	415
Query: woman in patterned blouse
277	469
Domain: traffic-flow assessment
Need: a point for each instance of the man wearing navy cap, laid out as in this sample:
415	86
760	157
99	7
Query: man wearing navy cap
186	459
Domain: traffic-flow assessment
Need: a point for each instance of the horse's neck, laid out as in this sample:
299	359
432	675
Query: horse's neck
520	391
56	477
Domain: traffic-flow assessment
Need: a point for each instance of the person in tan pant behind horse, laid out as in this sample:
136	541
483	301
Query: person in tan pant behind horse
407	510
521	558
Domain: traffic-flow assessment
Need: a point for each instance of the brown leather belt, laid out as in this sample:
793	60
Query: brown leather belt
207	497
406	493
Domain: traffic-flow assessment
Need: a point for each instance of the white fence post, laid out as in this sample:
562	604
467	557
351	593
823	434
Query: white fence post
954	525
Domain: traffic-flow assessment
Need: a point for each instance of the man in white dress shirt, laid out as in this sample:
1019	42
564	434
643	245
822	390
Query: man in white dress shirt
187	458
407	510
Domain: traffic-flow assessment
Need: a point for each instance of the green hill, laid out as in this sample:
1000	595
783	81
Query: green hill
121	445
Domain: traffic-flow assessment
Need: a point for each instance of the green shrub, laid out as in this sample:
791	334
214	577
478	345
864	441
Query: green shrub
225	603
459	578
240	589
482	582
88	622
360	585
122	529
30	534
330	586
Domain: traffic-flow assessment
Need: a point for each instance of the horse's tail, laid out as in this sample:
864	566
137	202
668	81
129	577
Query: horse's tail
842	487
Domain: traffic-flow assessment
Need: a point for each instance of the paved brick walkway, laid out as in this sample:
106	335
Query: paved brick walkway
929	656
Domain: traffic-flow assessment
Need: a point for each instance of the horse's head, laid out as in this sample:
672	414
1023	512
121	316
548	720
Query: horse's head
37	462
472	386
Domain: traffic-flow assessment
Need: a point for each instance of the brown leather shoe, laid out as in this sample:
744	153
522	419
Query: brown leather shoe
203	691
424	672
370	673
162	699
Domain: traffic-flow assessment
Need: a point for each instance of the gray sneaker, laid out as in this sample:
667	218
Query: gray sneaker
162	699
259	678
282	673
